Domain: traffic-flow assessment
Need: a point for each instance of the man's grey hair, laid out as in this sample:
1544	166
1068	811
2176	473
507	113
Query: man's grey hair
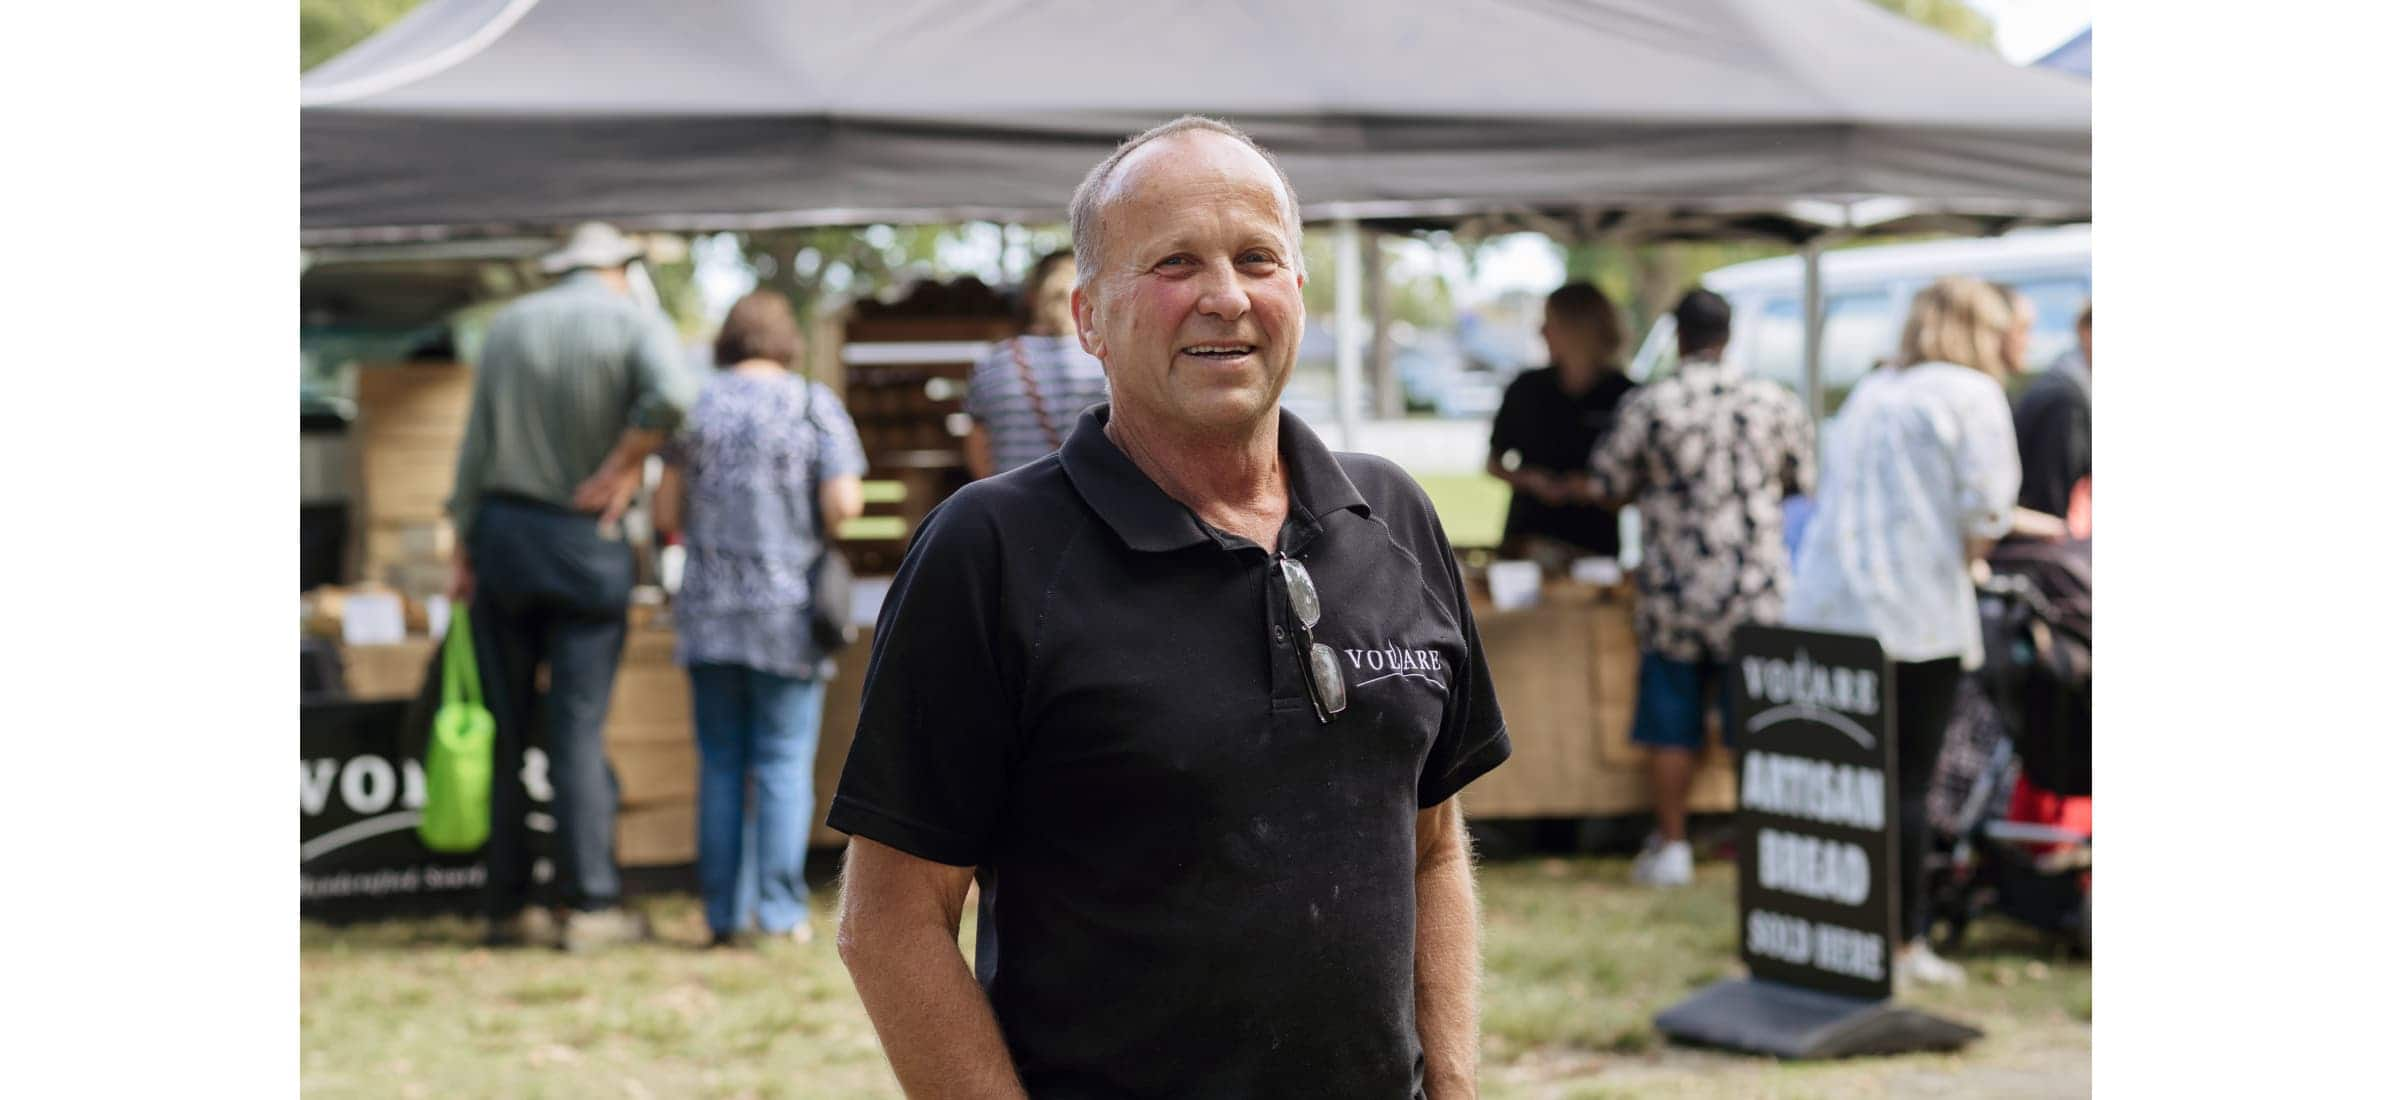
1087	239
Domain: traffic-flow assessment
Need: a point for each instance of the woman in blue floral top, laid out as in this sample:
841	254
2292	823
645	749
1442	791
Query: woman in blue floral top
764	460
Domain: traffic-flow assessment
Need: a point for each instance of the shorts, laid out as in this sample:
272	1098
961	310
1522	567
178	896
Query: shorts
1669	702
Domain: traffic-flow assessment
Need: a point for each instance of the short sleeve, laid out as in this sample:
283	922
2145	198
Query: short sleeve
664	385
1985	460
1472	739
1506	432
1616	467
937	738
842	449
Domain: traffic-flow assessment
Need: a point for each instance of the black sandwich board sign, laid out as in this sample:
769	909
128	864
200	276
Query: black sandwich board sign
361	793
1817	820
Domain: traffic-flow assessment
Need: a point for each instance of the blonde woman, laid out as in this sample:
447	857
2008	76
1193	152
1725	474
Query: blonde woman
1919	477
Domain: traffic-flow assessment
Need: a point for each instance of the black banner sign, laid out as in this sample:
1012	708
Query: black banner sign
1816	810
361	793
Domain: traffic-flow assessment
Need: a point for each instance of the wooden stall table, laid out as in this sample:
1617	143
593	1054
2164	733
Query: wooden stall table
1565	674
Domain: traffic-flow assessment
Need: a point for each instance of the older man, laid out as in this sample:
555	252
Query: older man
578	383
1191	698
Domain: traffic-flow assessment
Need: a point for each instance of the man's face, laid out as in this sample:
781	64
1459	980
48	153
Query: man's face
1195	306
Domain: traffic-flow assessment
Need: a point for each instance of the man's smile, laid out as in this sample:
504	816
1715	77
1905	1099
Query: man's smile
1223	352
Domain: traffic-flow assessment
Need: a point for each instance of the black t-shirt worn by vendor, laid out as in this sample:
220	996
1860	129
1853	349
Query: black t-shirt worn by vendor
1190	885
1556	431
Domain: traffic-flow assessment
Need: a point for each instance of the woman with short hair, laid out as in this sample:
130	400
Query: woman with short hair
766	465
1919	477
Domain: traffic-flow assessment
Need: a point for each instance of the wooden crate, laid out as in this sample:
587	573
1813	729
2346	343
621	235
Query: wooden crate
902	408
410	422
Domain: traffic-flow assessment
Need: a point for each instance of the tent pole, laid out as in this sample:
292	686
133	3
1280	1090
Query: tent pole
1814	322
1383	380
1349	333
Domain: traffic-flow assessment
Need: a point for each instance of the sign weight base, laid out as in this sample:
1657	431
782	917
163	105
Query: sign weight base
1783	1021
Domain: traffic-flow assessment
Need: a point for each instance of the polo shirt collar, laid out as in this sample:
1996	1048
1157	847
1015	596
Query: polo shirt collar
1148	519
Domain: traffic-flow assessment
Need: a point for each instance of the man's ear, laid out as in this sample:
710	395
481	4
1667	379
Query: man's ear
1083	315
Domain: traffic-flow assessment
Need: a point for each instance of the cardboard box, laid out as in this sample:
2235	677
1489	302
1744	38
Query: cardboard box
387	671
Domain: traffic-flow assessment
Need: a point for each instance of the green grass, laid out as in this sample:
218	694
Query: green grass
1472	506
1577	963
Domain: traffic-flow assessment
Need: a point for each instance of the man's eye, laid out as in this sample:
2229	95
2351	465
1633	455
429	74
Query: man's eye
1174	261
1258	258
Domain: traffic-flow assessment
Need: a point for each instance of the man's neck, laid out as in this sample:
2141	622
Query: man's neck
612	278
1234	482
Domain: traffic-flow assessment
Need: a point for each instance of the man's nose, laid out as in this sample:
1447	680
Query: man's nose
1224	293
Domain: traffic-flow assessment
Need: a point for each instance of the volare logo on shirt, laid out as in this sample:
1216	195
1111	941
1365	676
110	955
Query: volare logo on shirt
1388	662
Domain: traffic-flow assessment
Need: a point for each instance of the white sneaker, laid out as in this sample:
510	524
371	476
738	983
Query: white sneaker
1917	965
1669	864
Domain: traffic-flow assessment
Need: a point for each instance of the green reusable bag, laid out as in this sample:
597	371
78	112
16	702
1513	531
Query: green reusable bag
457	764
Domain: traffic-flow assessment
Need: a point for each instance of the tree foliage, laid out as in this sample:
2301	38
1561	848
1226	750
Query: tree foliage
328	27
1953	17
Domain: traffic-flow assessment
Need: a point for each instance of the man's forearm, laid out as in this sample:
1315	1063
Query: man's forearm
934	1021
1445	968
633	447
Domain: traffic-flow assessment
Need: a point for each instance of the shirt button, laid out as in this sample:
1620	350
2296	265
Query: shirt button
1279	634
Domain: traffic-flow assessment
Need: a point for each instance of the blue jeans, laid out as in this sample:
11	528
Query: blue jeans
754	727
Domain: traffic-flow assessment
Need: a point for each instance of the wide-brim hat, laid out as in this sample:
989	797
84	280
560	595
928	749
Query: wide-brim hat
593	244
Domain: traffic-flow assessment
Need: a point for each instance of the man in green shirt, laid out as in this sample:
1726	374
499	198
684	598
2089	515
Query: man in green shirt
577	385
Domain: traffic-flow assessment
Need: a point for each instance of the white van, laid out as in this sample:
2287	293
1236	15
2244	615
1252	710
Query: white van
1868	292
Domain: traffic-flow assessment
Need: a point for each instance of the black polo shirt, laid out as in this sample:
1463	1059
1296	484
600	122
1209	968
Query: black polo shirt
1190	886
1557	431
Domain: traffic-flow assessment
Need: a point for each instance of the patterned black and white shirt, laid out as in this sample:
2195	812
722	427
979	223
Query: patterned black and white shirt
1708	457
1028	412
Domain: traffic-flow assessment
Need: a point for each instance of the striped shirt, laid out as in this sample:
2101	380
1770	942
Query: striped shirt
1028	402
563	372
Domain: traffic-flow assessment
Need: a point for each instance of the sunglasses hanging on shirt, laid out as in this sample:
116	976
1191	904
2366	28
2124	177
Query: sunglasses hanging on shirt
1322	679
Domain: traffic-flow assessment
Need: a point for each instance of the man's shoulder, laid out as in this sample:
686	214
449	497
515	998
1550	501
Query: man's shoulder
2052	387
1392	493
1763	393
1033	498
579	301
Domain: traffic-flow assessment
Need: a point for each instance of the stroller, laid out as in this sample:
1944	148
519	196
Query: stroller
2012	802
